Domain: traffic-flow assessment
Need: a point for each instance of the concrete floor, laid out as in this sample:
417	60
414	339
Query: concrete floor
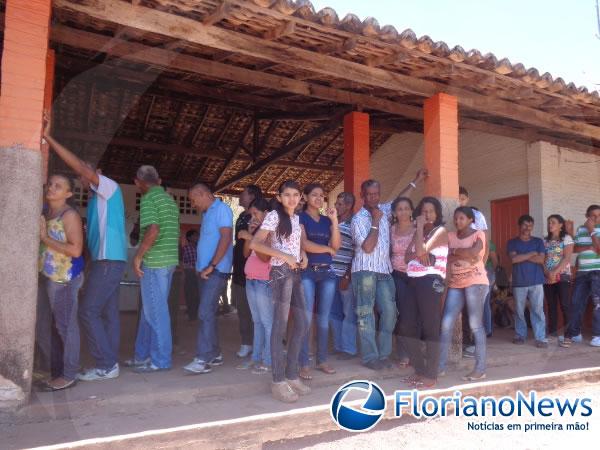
136	403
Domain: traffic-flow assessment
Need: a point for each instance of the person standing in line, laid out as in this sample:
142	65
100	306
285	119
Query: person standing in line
258	291
527	255
238	280
467	284
61	263
402	233
280	236
426	259
215	259
557	270
318	280
478	224
189	256
587	281
371	274
154	263
342	318
107	245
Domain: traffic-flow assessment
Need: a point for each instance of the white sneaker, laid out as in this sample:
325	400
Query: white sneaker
595	342
244	351
197	366
99	374
577	339
136	362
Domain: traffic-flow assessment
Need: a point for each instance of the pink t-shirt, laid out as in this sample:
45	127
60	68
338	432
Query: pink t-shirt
256	269
464	273
289	245
399	246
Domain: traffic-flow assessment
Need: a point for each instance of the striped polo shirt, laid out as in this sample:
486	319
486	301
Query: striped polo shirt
378	260
587	260
343	258
157	207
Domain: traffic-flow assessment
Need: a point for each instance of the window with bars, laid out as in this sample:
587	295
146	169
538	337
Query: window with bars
185	205
80	196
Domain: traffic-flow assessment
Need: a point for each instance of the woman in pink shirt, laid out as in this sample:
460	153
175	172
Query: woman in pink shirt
467	282
258	291
402	233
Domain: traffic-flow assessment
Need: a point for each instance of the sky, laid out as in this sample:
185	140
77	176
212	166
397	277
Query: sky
556	36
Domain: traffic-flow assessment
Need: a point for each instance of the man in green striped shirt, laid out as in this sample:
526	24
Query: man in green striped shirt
587	282
154	263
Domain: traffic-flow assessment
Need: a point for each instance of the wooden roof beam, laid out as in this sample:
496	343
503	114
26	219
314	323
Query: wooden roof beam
286	29
212	69
187	29
220	13
281	153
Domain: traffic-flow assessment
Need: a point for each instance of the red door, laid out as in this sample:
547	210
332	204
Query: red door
505	214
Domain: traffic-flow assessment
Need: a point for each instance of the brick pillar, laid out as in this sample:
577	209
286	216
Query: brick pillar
356	153
24	60
441	160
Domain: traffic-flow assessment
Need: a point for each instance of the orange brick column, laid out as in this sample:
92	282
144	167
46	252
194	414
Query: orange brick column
24	60
441	146
356	153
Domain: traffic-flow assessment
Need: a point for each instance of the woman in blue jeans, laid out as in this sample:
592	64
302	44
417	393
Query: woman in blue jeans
467	282
258	290
318	279
61	235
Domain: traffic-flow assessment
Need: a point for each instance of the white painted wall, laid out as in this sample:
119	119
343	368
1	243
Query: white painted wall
558	180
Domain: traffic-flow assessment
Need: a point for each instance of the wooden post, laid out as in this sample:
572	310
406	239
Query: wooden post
356	153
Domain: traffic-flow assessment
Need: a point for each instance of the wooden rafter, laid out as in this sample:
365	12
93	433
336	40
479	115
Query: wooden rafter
187	29
282	152
236	151
328	144
220	13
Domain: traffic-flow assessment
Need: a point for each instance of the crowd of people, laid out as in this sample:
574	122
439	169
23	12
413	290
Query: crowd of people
391	273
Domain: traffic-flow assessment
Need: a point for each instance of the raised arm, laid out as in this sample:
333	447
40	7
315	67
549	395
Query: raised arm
336	238
420	176
70	159
370	241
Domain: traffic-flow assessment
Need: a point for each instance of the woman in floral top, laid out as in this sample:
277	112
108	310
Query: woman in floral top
557	270
61	235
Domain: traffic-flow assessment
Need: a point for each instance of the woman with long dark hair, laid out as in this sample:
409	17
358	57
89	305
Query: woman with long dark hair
401	236
258	291
557	272
61	263
426	258
318	279
467	284
280	236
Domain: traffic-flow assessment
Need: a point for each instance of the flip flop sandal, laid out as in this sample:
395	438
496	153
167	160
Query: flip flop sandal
51	388
565	343
305	375
472	378
411	379
326	369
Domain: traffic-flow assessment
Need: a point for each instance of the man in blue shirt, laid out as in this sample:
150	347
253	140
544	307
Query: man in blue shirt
106	241
214	262
527	256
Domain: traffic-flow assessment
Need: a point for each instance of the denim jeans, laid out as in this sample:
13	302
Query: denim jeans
403	291
49	351
374	290
63	299
342	320
421	319
587	284
487	308
474	297
99	311
154	332
288	296
207	342
536	311
319	287
260	300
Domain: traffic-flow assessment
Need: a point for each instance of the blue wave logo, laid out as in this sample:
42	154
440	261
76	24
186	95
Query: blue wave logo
366	416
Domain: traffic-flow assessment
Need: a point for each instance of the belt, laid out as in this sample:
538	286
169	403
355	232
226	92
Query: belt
319	266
